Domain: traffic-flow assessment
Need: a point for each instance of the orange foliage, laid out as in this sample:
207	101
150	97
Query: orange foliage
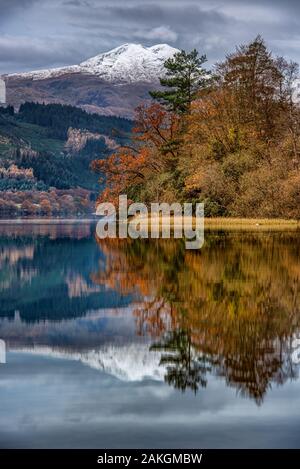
149	153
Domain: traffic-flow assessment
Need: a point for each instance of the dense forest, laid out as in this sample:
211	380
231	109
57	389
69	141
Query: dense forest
229	137
58	118
45	157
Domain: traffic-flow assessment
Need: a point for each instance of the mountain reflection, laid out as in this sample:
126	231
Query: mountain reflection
45	272
230	309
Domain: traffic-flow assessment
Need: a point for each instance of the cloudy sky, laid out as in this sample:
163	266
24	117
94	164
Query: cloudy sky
47	33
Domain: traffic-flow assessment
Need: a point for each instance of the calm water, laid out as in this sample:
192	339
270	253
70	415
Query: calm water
145	344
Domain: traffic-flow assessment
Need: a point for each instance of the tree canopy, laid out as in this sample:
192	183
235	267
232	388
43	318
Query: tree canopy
232	142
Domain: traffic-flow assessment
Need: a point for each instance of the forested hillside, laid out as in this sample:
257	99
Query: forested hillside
59	118
38	157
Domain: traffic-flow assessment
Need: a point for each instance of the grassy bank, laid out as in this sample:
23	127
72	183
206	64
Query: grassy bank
251	223
229	223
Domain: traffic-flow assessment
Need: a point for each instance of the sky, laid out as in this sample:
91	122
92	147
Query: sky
37	34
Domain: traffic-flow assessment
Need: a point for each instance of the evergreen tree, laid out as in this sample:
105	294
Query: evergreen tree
185	76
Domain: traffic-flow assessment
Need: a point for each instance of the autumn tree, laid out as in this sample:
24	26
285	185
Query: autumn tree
147	169
253	75
28	207
290	99
132	168
242	138
45	206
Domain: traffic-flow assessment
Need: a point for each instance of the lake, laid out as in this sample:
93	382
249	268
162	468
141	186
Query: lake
142	343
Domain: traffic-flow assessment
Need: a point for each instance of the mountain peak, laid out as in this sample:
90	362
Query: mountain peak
130	62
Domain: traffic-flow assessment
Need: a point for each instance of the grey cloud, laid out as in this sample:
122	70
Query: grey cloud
10	7
58	32
148	12
161	33
30	54
77	3
6	5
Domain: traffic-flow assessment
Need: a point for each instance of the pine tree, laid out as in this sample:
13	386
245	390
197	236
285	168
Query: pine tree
185	76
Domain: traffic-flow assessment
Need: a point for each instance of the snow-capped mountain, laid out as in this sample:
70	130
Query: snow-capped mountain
112	83
128	63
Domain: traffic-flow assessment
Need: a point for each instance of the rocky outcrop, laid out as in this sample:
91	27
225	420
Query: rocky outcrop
77	139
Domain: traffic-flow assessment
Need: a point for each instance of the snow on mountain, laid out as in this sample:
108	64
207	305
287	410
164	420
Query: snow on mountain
47	73
132	362
128	63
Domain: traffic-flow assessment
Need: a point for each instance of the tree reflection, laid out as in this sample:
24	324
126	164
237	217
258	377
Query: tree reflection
185	368
229	309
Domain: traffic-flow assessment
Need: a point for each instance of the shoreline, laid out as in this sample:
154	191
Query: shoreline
209	223
232	223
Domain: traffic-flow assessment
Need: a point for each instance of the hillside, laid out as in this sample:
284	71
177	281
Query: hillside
45	156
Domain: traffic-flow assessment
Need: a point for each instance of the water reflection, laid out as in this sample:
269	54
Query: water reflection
151	309
230	309
45	273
